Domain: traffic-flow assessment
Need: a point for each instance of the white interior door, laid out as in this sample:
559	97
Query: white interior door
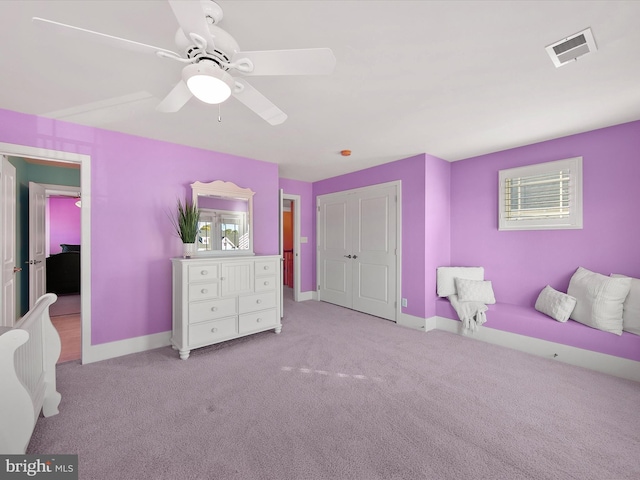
37	240
374	252
8	223
335	256
281	247
357	249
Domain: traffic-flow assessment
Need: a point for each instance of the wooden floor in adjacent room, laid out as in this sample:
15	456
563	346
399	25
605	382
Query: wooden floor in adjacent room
65	316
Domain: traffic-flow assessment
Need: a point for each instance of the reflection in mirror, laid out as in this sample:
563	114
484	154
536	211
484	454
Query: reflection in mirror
225	218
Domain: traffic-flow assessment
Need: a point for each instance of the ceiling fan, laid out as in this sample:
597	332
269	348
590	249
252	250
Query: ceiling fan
210	56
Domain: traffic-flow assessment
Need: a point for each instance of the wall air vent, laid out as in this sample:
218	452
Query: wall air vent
570	48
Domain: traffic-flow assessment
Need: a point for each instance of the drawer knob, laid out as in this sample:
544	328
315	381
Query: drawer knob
266	283
214	330
204	272
258	301
222	278
214	309
258	320
266	267
204	290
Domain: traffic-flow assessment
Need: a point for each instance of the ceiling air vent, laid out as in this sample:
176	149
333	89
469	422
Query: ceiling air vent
570	48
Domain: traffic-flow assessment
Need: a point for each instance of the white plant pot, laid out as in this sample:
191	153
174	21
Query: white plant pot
189	249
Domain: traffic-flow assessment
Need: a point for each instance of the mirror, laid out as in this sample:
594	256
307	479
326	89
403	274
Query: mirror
226	218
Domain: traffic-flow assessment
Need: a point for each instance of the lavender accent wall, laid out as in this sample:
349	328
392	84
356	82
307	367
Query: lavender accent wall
521	263
307	250
64	223
135	183
424	178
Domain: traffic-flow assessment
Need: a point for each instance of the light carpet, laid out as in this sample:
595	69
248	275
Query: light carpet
343	395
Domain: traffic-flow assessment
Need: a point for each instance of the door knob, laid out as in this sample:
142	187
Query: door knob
33	262
348	256
17	269
355	256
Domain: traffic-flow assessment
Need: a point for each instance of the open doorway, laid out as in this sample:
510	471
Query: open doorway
290	234
51	158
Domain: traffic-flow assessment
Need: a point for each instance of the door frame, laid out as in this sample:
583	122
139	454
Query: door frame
16	150
296	240
8	223
398	185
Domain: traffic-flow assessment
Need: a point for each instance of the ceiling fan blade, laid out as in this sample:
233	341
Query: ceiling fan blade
308	61
192	19
177	98
84	34
260	104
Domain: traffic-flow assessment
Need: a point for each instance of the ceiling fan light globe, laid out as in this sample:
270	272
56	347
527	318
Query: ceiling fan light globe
207	83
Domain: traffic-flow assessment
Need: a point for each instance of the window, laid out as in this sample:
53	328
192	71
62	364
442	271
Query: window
222	230
542	196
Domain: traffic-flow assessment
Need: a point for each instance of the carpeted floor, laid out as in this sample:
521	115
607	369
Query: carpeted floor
342	395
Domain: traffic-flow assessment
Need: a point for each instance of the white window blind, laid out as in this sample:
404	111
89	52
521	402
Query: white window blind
542	196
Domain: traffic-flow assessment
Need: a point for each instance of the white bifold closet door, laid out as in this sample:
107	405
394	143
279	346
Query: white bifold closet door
357	235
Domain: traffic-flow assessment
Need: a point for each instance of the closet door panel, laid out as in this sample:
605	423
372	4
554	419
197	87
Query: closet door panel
334	251
374	239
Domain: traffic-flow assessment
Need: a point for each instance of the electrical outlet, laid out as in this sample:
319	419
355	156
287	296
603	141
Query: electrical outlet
404	302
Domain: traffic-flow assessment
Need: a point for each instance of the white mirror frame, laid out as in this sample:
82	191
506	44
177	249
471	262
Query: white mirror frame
220	188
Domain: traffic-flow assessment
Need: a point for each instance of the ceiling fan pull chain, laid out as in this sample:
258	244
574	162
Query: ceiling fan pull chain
219	113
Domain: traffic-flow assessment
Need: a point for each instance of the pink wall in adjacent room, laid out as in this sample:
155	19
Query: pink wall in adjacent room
134	186
423	178
64	223
521	263
307	252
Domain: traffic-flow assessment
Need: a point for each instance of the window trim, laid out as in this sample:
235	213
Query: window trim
574	221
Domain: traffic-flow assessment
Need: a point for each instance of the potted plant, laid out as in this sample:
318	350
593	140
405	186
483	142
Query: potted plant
186	226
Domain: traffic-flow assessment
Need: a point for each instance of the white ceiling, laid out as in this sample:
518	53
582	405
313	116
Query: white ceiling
453	79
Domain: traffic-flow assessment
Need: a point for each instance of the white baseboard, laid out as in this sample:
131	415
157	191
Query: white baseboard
104	351
411	321
304	296
601	362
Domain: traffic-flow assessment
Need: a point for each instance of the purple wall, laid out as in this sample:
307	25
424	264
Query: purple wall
307	251
521	263
437	225
64	223
423	177
134	185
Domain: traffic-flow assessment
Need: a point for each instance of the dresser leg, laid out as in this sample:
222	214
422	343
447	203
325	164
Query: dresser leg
279	328
184	354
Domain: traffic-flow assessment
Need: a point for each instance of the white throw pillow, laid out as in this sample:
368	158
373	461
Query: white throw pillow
631	306
599	299
474	291
556	304
445	276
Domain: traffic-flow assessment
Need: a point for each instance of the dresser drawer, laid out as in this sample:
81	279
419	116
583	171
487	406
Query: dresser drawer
204	291
204	272
257	321
210	332
266	267
202	311
253	303
265	284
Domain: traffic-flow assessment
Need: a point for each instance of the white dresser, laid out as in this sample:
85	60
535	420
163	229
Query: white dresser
221	298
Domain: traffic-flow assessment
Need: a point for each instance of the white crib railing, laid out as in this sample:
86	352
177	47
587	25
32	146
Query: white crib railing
28	355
